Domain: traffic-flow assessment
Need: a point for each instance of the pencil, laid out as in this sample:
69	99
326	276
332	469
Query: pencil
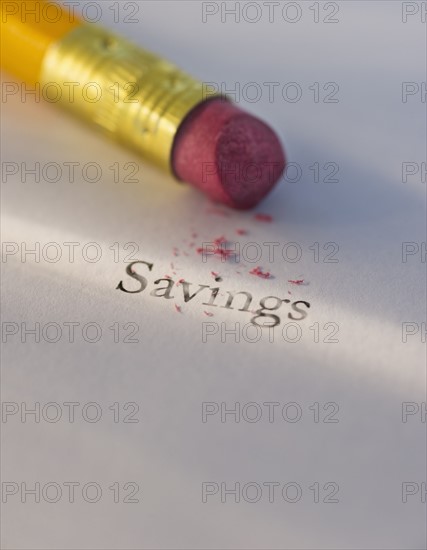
142	101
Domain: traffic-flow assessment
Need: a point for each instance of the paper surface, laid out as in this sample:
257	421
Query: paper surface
347	422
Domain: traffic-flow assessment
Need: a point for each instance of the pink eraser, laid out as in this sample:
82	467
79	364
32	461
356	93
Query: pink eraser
230	155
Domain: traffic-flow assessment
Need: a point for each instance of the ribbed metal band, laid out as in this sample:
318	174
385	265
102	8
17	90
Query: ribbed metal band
134	96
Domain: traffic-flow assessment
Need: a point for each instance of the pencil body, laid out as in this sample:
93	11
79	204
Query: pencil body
134	96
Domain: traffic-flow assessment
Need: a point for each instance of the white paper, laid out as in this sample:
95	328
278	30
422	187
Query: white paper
370	455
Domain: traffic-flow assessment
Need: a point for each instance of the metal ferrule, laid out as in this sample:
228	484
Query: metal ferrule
135	97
